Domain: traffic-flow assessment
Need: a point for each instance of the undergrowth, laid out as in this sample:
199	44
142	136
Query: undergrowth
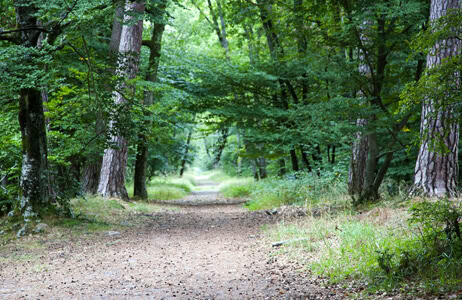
412	249
167	188
304	189
413	246
237	187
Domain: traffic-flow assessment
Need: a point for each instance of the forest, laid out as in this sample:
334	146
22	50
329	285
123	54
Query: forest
333	124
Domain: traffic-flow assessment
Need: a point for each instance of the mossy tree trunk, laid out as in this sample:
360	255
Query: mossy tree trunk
155	47
34	174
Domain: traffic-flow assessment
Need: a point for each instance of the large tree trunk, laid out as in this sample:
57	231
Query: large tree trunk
34	175
436	168
155	46
112	179
34	182
92	169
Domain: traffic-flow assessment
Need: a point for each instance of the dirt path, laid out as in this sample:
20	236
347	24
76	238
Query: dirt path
209	248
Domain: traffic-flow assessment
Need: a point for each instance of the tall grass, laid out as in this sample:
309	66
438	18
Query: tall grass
167	187
345	245
305	189
237	187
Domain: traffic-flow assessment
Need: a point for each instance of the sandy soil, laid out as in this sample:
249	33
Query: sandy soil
209	248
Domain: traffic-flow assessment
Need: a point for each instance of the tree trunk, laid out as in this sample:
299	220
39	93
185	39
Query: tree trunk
254	163
331	156
185	154
261	162
294	160
282	167
112	179
305	160
239	158
437	168
220	146
369	190
34	175
155	47
92	169
34	181
357	171
360	148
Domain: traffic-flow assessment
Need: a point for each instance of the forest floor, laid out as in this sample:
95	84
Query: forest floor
201	247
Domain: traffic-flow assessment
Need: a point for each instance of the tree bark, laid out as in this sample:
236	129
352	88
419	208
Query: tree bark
294	160
261	162
34	175
436	169
282	167
92	169
305	160
360	147
185	154
112	179
155	47
34	181
254	163
357	170
239	158
220	146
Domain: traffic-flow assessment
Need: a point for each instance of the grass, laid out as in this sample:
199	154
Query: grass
342	246
92	215
167	188
218	176
237	187
306	190
376	247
